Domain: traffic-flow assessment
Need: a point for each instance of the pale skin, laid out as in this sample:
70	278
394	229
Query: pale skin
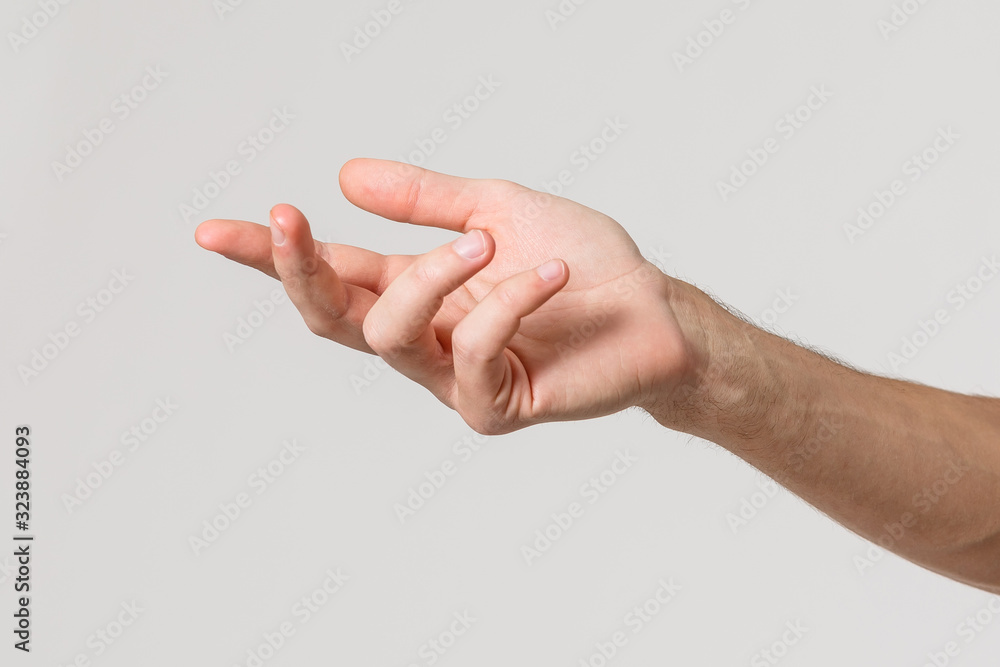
545	310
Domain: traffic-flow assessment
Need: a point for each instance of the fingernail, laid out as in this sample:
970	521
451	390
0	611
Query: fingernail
550	270
471	246
277	233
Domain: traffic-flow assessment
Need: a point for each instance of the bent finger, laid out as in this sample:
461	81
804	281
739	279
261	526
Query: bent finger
329	307
483	380
398	327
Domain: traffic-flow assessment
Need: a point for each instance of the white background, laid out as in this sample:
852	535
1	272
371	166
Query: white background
163	336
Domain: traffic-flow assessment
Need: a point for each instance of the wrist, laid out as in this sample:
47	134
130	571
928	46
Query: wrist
738	381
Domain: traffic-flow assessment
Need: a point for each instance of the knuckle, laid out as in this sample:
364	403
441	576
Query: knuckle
507	295
382	340
309	266
334	312
463	346
426	273
484	418
484	424
416	185
422	319
497	425
374	334
318	328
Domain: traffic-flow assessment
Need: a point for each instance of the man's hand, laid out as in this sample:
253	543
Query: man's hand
543	310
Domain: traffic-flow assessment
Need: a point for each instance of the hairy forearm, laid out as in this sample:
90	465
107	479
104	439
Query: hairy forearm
913	468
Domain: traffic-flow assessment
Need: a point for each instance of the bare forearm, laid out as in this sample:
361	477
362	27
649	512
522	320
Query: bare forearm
913	468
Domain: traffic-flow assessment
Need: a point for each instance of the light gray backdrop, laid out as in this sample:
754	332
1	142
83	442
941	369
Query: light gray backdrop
119	120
